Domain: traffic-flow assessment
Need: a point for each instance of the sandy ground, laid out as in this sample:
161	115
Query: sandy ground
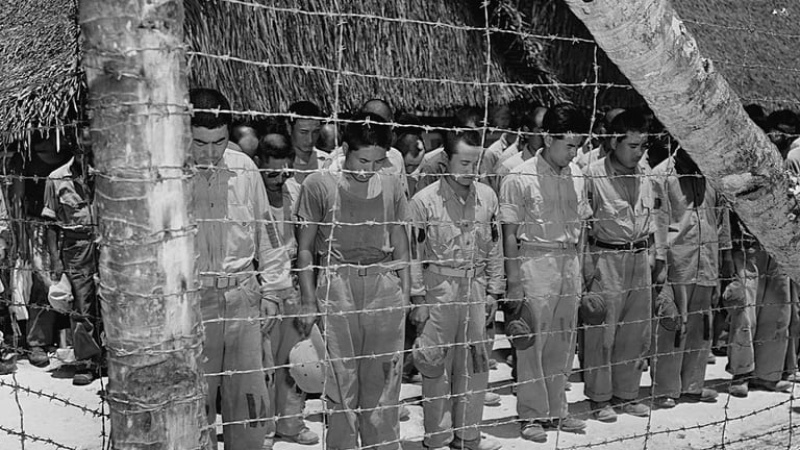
763	420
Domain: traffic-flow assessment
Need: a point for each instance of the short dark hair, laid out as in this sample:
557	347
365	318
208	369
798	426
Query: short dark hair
630	120
275	145
207	98
367	130
408	144
408	125
565	118
469	137
465	114
304	108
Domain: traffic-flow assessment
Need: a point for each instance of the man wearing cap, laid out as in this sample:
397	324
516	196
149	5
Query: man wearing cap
233	238
699	231
457	276
543	206
623	203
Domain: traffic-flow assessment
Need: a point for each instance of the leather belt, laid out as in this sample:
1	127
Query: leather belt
374	269
549	245
631	246
223	281
453	272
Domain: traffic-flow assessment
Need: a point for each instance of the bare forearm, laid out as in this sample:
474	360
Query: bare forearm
305	276
401	253
52	242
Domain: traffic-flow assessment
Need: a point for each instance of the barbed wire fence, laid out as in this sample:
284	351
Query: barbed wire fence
728	423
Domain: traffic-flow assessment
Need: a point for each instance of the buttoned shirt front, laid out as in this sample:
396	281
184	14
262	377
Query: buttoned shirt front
67	200
457	233
303	169
697	222
235	225
622	217
549	206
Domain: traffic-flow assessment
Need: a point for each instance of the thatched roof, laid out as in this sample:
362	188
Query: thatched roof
40	83
752	43
268	54
423	56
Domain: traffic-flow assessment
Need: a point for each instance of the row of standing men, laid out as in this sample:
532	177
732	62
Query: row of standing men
340	245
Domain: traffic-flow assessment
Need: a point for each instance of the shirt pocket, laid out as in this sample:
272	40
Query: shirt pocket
538	211
241	230
443	239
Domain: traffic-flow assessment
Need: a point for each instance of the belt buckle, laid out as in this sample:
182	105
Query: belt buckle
222	282
362	271
469	273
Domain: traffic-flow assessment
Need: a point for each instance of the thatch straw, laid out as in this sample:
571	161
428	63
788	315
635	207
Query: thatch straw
41	85
381	58
415	66
753	44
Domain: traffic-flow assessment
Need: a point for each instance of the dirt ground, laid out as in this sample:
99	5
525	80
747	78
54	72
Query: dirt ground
762	420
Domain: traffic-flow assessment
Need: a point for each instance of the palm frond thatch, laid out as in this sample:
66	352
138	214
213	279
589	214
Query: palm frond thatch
286	50
41	85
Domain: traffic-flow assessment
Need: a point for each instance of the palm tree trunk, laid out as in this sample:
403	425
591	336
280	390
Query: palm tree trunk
650	45
135	67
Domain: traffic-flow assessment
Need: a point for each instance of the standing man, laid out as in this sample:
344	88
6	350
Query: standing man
759	305
68	197
699	232
245	137
304	133
352	234
624	205
457	279
583	160
232	240
27	204
543	210
275	158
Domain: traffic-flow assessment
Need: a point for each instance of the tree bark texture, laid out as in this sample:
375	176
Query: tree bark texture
135	66
651	46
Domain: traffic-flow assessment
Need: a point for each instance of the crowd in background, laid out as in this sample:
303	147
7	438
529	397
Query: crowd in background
593	231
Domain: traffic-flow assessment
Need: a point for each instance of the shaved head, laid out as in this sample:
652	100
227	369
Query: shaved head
328	135
609	117
538	116
378	107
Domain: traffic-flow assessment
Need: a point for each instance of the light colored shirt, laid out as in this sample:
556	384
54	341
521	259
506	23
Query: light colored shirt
66	200
457	233
235	224
497	147
697	222
318	160
585	159
510	151
548	206
792	162
622	215
284	216
395	165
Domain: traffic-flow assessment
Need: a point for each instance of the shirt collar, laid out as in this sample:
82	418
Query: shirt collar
448	193
544	167
615	173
